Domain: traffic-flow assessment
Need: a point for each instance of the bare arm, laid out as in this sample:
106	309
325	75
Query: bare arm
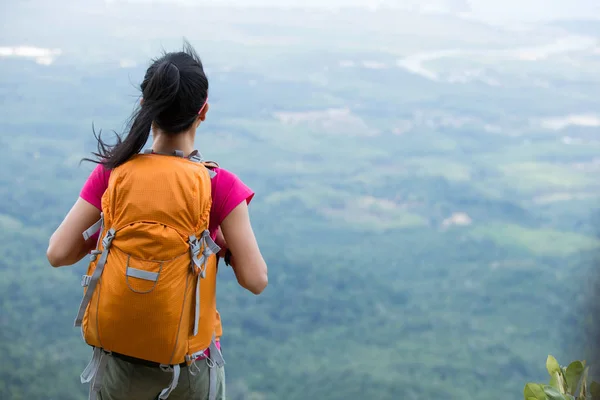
67	245
247	262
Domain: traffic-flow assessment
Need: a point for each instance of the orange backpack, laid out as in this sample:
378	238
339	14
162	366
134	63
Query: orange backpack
151	283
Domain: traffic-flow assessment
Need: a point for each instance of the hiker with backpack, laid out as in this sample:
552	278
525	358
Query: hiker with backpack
156	222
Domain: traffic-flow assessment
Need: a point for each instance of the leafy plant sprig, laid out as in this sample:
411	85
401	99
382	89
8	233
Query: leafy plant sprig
566	383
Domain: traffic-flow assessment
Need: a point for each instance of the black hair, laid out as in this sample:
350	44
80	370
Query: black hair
174	90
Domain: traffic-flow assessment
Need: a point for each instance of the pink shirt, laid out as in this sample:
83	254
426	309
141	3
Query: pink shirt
228	191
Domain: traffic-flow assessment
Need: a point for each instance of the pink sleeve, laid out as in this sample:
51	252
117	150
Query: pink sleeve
228	192
95	186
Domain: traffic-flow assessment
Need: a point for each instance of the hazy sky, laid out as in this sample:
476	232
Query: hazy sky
489	10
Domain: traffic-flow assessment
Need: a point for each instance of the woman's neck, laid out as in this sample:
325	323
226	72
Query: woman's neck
163	143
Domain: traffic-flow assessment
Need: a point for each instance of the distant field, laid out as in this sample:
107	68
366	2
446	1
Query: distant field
542	242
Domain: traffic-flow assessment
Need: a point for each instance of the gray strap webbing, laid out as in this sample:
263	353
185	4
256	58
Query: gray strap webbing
106	241
216	360
167	391
197	310
212	383
197	157
85	280
94	228
141	274
194	251
194	156
209	247
176	153
94	372
90	370
94	254
96	384
215	353
211	173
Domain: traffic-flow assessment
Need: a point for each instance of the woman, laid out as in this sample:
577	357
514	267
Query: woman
174	104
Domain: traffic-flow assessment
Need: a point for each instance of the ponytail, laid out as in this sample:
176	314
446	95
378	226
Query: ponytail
159	91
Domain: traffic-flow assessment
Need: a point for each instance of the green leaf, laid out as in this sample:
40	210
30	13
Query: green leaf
552	365
554	394
534	391
595	390
573	375
583	386
563	374
556	381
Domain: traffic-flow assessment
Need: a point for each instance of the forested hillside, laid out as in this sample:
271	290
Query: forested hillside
429	219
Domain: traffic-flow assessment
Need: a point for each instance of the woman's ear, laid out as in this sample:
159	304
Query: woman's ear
204	111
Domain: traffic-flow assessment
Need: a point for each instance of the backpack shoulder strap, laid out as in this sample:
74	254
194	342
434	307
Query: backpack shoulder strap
176	153
197	157
209	167
210	164
194	156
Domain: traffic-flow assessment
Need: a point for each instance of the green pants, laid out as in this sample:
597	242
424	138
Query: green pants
126	381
